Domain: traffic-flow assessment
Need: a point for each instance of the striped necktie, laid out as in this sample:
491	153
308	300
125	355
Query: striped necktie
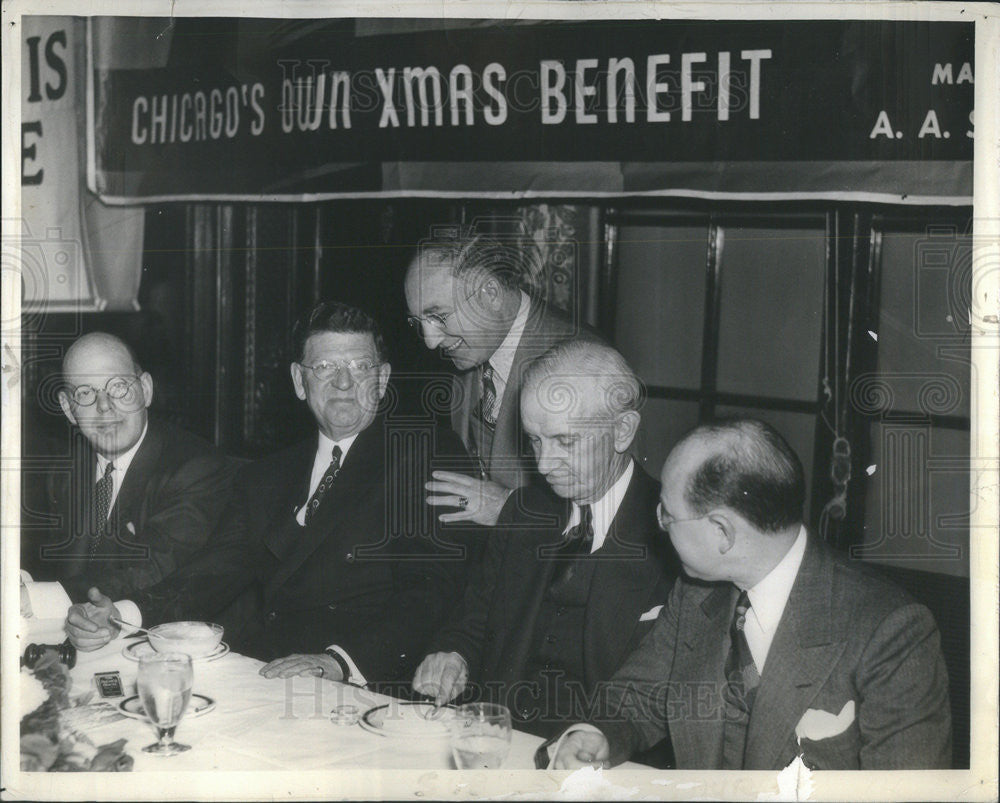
103	490
488	400
324	484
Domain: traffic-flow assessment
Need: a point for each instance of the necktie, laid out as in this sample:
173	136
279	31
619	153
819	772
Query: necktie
324	484
102	505
579	540
742	677
488	400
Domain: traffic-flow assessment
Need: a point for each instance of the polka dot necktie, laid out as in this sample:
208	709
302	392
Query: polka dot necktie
103	489
324	484
742	677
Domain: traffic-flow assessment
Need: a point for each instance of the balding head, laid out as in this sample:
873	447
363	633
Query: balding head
105	392
731	499
463	296
744	464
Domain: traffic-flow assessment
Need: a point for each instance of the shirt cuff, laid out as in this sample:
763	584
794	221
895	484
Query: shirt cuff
129	612
553	749
355	678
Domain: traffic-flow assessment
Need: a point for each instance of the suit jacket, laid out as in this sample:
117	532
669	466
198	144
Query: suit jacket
846	635
372	572
510	461
172	496
634	570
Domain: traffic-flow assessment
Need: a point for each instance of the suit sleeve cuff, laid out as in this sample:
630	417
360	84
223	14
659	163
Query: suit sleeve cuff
129	612
547	752
353	676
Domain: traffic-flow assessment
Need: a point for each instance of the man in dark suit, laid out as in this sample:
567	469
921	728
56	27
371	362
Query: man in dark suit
464	297
775	647
563	598
328	561
140	496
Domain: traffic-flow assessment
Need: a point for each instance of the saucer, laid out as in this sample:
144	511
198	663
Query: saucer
199	704
140	649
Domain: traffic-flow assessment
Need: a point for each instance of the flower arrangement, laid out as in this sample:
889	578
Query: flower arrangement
50	738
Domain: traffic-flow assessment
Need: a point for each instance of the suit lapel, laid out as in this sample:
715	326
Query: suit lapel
131	494
282	532
508	430
620	573
702	638
802	656
465	390
338	503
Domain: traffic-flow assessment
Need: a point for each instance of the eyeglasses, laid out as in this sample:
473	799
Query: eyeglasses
118	388
665	521
327	369
439	320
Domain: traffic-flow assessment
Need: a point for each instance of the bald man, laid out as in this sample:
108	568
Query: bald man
139	497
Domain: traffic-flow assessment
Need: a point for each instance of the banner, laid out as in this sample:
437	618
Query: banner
313	109
73	253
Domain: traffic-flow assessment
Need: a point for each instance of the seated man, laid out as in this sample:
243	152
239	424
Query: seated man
140	497
563	599
328	561
776	646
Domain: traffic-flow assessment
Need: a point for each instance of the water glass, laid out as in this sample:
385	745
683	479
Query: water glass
164	685
480	736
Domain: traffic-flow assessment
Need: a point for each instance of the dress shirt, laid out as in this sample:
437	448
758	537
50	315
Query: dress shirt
122	462
324	454
604	509
768	599
502	359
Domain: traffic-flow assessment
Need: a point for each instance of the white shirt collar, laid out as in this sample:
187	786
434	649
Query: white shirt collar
604	509
769	597
122	461
324	451
502	359
321	462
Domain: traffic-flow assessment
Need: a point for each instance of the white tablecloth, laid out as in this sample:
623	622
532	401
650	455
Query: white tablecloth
261	724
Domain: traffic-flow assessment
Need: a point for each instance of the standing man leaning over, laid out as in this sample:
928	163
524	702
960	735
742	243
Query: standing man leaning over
776	647
563	599
141	497
464	296
328	561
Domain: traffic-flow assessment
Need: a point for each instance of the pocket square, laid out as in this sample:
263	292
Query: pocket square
817	724
651	614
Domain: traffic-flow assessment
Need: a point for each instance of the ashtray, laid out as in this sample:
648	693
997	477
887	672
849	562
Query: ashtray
345	715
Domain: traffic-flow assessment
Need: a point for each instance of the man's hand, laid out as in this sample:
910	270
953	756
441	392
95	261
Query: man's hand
442	676
88	625
320	666
582	749
479	500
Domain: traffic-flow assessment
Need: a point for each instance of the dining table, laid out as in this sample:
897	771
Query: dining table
257	723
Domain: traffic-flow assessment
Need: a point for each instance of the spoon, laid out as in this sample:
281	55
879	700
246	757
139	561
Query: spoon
135	628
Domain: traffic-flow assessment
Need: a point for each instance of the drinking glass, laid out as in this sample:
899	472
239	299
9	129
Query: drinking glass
480	736
164	684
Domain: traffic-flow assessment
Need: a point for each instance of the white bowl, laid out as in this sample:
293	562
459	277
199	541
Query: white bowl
197	639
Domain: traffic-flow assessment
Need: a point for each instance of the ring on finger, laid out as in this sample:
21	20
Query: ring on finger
463	502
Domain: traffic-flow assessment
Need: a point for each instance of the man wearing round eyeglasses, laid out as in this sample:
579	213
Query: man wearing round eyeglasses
465	300
142	495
